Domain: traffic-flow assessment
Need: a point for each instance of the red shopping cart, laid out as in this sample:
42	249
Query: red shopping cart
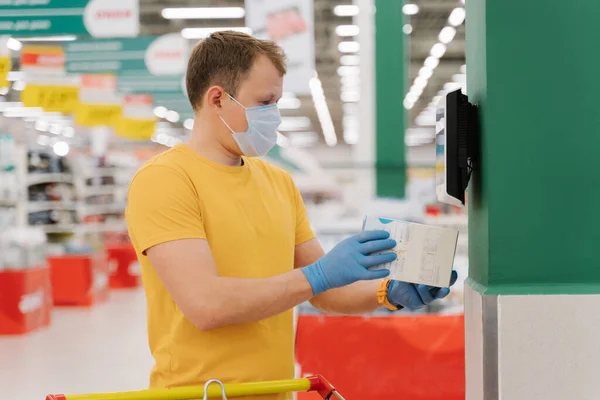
216	389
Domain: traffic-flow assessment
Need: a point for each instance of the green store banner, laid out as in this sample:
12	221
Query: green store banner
96	18
153	65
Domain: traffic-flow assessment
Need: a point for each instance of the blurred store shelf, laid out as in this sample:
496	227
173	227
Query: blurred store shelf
50	205
38	178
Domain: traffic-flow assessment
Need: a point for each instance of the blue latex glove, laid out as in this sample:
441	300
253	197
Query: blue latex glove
348	261
413	296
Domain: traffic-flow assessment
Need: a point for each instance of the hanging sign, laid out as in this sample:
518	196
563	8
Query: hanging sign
290	23
99	104
153	65
97	18
5	61
137	119
47	85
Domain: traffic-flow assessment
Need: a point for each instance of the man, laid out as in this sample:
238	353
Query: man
223	239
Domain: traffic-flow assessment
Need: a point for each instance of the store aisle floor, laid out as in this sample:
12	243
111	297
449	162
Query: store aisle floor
97	350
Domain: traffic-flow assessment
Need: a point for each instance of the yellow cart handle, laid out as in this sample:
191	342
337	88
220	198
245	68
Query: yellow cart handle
314	383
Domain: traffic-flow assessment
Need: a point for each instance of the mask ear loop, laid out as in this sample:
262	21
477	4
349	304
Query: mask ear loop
240	104
233	98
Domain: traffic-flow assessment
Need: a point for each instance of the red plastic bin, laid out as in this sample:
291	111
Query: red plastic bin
25	300
402	357
79	280
124	266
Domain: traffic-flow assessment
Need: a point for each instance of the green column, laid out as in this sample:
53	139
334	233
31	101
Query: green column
390	67
534	219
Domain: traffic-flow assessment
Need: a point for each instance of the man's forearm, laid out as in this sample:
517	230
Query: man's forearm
358	298
232	301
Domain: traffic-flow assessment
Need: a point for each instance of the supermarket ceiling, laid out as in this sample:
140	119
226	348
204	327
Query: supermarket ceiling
426	24
425	28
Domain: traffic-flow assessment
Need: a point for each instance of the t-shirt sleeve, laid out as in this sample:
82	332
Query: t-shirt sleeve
162	206
304	232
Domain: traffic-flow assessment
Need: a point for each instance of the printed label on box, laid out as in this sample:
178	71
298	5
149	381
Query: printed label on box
425	253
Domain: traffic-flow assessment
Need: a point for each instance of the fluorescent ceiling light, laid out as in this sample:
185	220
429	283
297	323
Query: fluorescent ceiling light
350	120
350	97
302	139
68	131
43	140
202	33
447	34
350	80
425	120
349	60
289	103
172	116
424	133
348	71
346	10
407	29
188	124
436	99
410	9
318	96
294	123
348	47
412	97
413	141
432	62
63	38
55	129
350	109
438	50
463	69
41	125
425	72
61	148
460	78
13	44
420	82
408	104
457	16
204	13
347	30
350	88
288	95
351	136
160	111
450	86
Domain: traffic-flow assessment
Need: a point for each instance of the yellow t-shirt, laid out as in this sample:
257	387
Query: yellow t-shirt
253	217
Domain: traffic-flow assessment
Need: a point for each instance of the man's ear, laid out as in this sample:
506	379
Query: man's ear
214	98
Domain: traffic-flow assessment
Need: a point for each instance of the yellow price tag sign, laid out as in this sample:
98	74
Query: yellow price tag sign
5	66
50	98
141	129
97	114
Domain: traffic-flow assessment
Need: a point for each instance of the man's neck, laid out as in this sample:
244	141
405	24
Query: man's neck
203	143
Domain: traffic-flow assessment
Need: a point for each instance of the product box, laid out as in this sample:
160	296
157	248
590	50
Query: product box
425	253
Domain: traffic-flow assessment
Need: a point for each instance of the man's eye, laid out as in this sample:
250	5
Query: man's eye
266	103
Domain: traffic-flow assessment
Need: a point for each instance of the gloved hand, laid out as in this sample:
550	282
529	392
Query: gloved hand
413	296
348	261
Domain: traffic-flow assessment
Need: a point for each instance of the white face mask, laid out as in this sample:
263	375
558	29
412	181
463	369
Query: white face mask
261	135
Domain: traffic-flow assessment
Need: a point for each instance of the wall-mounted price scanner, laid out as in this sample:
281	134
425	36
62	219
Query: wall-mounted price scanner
457	146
